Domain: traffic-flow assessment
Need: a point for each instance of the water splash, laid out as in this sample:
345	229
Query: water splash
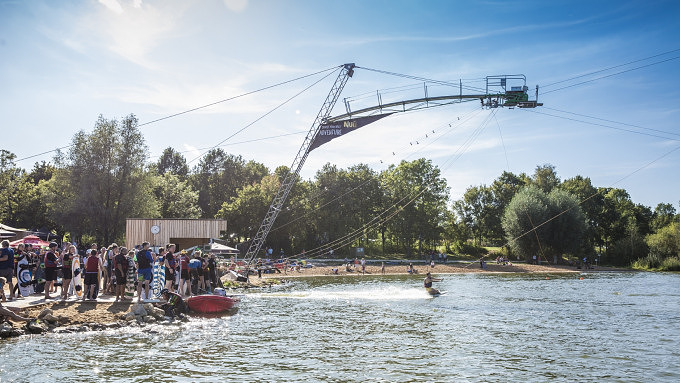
388	293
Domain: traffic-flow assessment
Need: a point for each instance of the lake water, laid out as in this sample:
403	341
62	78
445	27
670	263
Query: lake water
608	327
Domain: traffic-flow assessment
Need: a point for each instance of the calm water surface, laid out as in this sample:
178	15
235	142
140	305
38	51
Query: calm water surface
608	327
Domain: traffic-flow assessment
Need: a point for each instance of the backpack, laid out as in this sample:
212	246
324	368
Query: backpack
142	260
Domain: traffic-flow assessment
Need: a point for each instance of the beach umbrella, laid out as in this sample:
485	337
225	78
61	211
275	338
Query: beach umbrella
30	239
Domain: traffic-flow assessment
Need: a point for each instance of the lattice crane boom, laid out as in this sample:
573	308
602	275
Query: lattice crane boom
282	194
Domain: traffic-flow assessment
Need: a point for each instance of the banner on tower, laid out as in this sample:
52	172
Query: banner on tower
336	129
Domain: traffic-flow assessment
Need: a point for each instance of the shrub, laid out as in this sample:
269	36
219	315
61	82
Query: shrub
671	264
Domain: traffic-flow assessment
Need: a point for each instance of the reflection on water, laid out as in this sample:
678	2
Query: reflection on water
488	328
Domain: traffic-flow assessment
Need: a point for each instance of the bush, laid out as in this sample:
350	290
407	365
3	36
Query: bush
650	262
465	248
671	264
658	263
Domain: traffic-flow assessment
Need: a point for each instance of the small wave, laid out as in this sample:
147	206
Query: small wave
378	294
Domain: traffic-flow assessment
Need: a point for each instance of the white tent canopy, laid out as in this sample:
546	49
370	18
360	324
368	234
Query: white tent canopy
222	249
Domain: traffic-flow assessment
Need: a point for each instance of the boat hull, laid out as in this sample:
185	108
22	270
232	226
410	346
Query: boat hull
211	304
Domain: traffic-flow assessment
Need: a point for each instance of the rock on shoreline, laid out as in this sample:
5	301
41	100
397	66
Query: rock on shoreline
73	317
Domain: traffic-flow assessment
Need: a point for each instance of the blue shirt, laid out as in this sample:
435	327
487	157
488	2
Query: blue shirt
9	263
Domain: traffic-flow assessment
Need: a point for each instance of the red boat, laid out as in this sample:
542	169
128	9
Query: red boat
211	304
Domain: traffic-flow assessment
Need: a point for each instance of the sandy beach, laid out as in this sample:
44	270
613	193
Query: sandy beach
450	268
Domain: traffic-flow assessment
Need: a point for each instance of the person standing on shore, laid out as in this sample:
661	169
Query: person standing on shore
120	263
170	265
184	273
93	264
144	271
19	254
363	266
382	268
212	271
7	266
67	270
110	258
50	269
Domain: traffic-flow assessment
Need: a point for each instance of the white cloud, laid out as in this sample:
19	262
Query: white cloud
236	5
134	29
112	5
190	151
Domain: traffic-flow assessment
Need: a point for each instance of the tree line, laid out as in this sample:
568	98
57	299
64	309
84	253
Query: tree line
105	176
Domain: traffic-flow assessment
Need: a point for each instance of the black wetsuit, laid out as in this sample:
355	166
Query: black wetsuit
175	305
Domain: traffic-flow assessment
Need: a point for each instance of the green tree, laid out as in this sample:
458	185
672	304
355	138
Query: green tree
476	211
526	211
245	211
592	202
103	180
567	224
172	162
503	189
176	198
345	201
665	242
546	225
664	214
418	188
545	178
10	179
622	226
219	175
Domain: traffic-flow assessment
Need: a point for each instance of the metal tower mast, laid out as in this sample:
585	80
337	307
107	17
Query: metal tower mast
345	73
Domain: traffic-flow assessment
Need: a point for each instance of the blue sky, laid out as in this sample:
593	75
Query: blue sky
64	63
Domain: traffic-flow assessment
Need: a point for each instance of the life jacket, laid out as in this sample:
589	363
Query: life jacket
121	260
143	260
50	260
67	261
170	257
92	264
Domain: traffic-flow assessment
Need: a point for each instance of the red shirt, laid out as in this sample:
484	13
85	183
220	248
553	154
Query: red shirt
92	264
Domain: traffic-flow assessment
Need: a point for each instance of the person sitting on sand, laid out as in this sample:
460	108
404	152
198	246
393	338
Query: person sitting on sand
174	304
410	269
3	280
7	313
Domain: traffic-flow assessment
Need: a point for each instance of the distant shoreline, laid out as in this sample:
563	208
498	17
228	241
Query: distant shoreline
422	269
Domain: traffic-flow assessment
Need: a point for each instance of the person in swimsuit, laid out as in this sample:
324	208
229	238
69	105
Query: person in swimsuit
67	269
428	284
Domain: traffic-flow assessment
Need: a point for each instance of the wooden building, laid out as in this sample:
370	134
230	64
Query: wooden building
184	233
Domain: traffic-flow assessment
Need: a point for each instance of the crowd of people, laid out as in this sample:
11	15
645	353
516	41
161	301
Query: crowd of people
106	270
